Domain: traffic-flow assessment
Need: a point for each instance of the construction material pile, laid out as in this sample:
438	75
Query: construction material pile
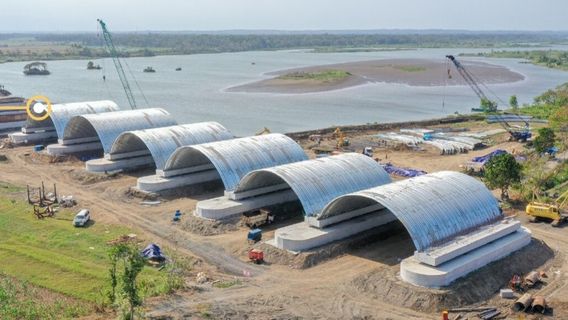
447	143
403	172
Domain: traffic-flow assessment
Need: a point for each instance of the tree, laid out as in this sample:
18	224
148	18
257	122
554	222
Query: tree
488	105
132	264
545	140
501	172
513	102
559	119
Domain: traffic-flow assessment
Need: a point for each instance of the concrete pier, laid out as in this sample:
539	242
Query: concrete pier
32	137
420	274
60	149
106	165
224	207
157	183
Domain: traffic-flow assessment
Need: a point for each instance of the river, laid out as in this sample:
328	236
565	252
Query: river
197	92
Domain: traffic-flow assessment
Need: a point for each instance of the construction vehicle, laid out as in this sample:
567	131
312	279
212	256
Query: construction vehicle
342	141
256	256
368	151
516	133
254	236
257	218
544	211
263	131
115	59
149	70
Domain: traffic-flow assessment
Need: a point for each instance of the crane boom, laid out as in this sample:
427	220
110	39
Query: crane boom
468	78
119	69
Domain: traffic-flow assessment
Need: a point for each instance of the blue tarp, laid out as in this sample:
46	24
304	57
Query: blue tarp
403	172
485	158
153	252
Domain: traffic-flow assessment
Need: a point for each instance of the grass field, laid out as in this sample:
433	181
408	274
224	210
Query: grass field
52	254
323	76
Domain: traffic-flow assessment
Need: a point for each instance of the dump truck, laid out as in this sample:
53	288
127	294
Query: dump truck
256	256
257	218
544	211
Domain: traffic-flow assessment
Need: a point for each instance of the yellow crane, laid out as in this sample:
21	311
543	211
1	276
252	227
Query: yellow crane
538	210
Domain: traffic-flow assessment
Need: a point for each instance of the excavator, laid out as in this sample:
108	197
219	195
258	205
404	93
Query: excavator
551	212
342	141
516	133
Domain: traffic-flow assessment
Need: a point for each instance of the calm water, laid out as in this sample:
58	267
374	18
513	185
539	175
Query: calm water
196	93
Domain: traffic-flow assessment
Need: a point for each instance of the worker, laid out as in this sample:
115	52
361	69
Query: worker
104	78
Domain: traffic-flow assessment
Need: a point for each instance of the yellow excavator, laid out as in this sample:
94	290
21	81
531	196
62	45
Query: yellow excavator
551	212
342	141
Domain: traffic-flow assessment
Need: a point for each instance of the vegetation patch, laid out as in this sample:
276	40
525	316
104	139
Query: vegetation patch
227	283
52	254
554	59
21	300
410	68
321	76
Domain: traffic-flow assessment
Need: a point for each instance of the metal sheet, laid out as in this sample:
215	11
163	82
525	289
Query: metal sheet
434	208
162	142
62	113
233	159
108	126
318	181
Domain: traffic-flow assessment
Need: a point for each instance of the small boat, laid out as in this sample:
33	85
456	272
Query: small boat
253	63
4	92
178	69
92	66
149	69
36	69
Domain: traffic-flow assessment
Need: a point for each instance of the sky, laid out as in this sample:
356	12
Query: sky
199	15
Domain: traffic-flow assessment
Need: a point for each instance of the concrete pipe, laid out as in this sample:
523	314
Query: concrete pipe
523	303
539	304
532	278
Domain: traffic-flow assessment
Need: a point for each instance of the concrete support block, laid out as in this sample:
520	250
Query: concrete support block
223	208
314	222
155	183
256	192
183	171
417	273
32	137
58	149
126	155
302	236
67	142
437	255
37	129
104	165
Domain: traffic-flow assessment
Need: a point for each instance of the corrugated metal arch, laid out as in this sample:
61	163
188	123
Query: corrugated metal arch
235	158
318	181
162	142
108	126
434	208
62	113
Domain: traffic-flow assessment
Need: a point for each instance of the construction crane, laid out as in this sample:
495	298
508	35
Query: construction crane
114	54
517	134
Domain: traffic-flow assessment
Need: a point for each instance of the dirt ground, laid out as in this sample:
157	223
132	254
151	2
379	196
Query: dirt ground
360	283
414	72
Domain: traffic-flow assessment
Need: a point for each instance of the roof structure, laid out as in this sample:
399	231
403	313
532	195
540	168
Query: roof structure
108	126
318	181
235	158
162	142
434	208
62	113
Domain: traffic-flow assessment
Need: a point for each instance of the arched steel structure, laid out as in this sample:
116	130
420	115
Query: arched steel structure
235	158
62	113
434	208
162	142
318	181
108	126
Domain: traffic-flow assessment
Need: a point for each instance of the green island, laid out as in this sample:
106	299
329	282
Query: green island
410	68
320	76
68	267
554	59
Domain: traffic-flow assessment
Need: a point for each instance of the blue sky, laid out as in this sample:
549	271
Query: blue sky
140	15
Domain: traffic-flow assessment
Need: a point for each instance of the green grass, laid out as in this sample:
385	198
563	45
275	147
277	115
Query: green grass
555	59
539	111
323	76
410	68
52	254
20	300
227	283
